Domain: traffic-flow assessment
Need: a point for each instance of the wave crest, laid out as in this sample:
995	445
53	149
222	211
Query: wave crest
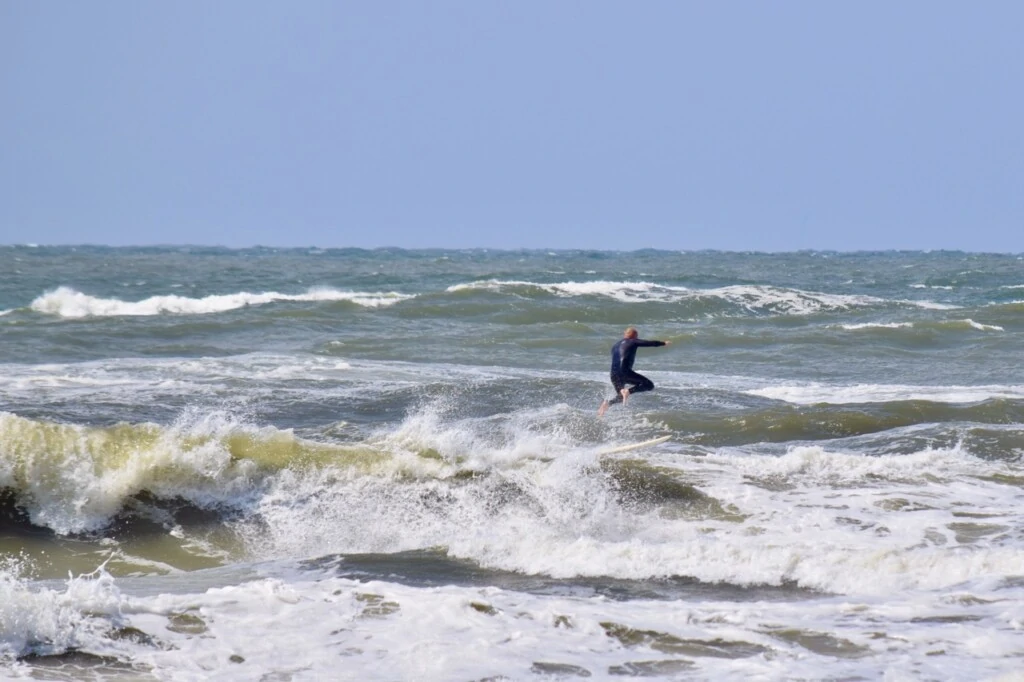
757	299
67	302
72	478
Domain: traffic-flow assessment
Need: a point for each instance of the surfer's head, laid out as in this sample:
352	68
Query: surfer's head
630	333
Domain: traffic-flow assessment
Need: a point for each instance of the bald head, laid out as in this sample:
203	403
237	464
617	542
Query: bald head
630	333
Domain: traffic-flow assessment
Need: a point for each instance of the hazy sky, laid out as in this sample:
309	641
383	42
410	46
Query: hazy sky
677	125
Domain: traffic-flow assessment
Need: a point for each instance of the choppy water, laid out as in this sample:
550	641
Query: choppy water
380	465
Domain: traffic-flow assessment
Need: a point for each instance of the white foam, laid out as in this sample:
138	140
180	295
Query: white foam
983	327
792	301
48	621
931	305
67	302
304	628
297	625
478	443
812	393
552	512
966	323
877	325
310	376
883	533
890	521
817	466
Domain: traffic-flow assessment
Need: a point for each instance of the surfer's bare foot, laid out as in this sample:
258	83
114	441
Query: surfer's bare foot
625	395
604	408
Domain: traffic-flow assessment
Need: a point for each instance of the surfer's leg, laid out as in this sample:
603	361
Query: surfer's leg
619	397
620	394
640	383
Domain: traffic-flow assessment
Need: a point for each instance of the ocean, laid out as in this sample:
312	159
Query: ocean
346	464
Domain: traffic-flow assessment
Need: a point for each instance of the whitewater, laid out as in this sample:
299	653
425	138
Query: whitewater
313	464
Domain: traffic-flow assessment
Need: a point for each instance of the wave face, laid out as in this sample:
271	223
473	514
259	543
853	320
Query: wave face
267	461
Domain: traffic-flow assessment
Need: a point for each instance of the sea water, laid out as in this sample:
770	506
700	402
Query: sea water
348	464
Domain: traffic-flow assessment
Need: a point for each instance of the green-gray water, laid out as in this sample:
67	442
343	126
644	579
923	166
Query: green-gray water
287	456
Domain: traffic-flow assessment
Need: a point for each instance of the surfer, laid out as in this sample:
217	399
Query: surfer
623	355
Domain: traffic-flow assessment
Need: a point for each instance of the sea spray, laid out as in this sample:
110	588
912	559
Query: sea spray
45	621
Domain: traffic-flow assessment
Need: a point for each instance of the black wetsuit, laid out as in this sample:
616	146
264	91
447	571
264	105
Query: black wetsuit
623	355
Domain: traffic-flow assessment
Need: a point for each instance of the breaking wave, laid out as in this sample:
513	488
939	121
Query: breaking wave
72	478
67	302
757	299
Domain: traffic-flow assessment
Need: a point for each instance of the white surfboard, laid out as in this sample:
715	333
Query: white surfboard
635	446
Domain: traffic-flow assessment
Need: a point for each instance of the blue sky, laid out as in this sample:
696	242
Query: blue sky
677	125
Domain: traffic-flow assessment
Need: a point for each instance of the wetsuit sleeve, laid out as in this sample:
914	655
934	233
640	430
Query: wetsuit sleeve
646	343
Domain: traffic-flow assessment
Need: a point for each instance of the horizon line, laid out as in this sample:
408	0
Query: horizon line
222	247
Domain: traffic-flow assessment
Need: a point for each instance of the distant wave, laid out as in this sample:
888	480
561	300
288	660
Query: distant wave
943	324
627	292
66	302
792	301
974	325
754	298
